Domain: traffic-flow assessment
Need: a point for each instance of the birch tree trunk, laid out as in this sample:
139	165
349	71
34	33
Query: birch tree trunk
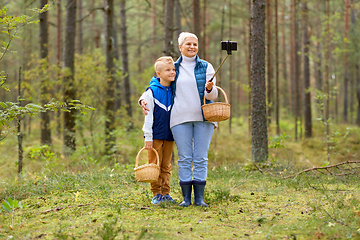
259	150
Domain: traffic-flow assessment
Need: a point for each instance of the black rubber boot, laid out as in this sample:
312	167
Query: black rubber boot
199	188
186	188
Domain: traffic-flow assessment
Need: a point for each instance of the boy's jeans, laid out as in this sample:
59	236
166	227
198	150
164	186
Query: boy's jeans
193	141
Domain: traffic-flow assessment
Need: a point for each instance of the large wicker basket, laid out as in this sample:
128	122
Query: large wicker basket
218	111
148	172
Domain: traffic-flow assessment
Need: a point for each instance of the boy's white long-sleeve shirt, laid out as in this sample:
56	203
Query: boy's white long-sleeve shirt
149	118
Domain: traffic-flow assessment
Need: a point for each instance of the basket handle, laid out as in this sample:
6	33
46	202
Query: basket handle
138	155
226	100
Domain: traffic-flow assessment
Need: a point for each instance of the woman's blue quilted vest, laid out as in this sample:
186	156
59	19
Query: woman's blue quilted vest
200	75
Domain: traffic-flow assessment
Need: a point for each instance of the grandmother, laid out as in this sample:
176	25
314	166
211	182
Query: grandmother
191	132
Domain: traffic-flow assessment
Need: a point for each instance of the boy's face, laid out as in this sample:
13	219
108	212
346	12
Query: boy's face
167	72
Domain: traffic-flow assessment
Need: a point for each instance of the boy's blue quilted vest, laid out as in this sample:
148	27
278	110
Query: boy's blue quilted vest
163	97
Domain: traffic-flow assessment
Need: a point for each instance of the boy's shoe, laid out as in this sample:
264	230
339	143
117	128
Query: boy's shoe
157	199
167	198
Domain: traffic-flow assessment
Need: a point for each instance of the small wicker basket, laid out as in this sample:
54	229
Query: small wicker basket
148	172
218	111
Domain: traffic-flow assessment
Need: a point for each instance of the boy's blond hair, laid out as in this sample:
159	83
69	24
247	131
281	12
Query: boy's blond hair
159	63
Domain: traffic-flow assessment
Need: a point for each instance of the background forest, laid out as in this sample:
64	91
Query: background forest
284	166
97	56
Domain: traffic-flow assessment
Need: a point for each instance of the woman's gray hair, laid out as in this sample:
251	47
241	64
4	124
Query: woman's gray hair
184	35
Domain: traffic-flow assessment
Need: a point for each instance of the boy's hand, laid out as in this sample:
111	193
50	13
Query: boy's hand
143	104
148	145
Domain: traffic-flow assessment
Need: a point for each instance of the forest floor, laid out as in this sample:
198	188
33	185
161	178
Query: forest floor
110	204
104	201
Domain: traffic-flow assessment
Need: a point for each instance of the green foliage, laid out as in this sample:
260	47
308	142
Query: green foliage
11	111
109	230
276	142
10	205
10	25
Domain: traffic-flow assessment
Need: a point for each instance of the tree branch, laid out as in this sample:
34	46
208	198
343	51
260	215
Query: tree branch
327	168
92	10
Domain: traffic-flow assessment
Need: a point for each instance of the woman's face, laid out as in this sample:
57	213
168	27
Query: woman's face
189	48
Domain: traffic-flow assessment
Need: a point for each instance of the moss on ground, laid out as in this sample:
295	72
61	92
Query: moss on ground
110	204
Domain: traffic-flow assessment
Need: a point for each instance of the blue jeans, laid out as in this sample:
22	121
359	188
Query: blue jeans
193	141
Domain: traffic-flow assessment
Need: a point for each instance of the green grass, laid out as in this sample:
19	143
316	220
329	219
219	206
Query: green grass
243	204
89	196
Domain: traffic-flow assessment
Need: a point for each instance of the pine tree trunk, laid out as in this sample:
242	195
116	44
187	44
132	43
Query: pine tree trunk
80	29
287	86
177	26
96	31
197	22
249	67
153	29
346	71
168	47
125	59
68	80
231	81
258	90
44	52
204	36
19	133
277	102
110	69
306	71
357	67
318	66
139	38
118	88
269	60
295	67
326	81
58	58
292	59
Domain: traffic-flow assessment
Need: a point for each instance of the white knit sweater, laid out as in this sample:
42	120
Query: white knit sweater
187	107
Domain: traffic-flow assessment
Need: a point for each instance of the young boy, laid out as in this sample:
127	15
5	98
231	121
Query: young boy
156	127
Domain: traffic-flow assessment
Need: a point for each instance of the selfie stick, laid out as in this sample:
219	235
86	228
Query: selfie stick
228	53
219	68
